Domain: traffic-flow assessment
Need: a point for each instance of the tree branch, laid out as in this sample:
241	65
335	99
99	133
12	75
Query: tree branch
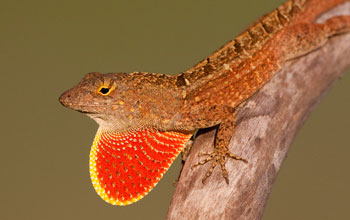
266	125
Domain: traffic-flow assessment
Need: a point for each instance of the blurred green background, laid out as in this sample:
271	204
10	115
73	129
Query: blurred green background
47	46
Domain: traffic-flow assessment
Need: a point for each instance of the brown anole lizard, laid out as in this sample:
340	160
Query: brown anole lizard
146	119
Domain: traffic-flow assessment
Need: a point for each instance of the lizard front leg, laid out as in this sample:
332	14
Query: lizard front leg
221	152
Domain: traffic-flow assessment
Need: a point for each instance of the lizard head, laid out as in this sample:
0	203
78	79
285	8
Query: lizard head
90	94
99	96
122	101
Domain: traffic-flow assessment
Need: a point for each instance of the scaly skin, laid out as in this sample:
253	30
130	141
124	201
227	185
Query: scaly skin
140	113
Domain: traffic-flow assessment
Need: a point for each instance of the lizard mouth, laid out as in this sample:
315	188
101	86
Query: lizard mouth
86	109
83	108
87	112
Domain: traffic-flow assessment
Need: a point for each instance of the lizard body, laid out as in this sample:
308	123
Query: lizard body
146	119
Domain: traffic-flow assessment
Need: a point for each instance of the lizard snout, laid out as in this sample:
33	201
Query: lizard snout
64	99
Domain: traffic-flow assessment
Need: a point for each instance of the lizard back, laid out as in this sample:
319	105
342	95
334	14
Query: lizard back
247	62
246	44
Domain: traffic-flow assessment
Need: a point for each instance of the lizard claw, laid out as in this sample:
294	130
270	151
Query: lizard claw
217	157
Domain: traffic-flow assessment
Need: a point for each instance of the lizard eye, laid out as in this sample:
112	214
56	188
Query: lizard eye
104	90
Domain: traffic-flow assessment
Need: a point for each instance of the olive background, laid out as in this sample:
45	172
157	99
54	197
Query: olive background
47	46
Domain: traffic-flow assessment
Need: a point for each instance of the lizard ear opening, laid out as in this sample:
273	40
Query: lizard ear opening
104	90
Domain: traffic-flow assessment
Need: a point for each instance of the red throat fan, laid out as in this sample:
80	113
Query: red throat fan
124	167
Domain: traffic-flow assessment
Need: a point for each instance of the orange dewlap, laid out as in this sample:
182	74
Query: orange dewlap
124	167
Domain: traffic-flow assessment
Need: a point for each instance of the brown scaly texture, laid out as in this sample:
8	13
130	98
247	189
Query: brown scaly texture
240	68
266	125
207	94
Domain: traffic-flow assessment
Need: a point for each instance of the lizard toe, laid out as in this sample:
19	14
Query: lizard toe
217	157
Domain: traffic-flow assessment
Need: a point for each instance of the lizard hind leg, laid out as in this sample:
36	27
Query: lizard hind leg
302	38
337	25
221	152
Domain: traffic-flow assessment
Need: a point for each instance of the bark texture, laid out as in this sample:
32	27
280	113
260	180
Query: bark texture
266	125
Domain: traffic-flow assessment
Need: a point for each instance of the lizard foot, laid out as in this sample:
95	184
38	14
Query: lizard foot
217	157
